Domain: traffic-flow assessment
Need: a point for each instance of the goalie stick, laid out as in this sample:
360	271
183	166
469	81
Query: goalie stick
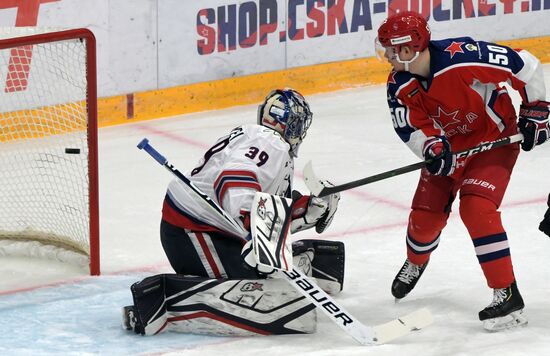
144	145
318	189
364	334
270	216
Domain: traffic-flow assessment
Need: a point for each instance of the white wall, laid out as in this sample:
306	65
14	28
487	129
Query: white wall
150	44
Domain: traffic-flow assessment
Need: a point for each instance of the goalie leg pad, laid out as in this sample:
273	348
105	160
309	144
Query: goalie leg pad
221	307
327	265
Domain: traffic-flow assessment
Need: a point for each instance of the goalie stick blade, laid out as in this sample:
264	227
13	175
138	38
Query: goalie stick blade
396	328
312	182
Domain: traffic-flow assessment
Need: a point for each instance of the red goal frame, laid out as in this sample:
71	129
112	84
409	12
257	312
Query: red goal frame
91	79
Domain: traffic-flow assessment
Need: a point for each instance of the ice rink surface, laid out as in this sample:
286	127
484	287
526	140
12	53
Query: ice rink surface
48	308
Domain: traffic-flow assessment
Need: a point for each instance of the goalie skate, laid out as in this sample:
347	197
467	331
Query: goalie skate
130	320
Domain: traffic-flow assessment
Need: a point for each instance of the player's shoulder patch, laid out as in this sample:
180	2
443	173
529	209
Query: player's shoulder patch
452	51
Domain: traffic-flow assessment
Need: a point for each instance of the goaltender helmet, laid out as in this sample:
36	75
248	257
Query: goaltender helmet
287	112
405	28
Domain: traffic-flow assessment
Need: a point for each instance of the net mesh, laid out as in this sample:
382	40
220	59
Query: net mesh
44	188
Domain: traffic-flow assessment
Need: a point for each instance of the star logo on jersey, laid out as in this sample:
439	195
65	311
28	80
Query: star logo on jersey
391	79
444	119
455	47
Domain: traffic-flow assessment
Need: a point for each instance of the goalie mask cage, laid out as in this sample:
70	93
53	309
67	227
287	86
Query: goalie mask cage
48	139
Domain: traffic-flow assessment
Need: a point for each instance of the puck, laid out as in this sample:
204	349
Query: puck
73	151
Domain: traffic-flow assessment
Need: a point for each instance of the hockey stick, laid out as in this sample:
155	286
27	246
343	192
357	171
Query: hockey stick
318	189
144	145
270	217
366	335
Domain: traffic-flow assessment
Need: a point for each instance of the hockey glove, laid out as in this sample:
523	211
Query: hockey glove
545	223
248	257
440	160
534	124
310	211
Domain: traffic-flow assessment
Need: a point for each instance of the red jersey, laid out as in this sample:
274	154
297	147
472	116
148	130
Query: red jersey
463	98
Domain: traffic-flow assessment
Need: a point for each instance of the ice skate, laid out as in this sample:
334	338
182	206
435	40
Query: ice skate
406	279
505	311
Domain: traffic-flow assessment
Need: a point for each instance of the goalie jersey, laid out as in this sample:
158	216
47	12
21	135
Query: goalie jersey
463	98
252	158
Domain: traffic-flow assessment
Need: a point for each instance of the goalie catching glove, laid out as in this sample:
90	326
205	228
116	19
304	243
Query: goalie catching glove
309	211
534	124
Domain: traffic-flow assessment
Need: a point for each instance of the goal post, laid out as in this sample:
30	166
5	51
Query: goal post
49	205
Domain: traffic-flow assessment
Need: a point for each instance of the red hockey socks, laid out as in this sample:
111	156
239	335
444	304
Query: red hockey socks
481	218
423	234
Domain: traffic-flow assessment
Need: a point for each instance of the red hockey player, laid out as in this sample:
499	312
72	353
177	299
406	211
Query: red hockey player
446	96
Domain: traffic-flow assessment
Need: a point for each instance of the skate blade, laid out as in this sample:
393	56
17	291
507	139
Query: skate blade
509	321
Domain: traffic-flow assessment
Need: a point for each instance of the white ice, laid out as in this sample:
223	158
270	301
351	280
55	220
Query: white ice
51	308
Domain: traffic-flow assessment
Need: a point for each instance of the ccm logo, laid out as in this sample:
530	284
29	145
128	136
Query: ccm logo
474	150
314	292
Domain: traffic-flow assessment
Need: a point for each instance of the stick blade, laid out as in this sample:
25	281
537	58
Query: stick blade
313	183
396	328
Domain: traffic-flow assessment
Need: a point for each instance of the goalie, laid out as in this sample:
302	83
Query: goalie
218	287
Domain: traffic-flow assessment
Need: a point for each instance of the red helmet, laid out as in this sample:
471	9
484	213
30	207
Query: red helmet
405	28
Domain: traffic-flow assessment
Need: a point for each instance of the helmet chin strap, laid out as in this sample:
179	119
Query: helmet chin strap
406	63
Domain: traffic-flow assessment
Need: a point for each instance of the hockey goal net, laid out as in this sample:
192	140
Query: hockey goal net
48	140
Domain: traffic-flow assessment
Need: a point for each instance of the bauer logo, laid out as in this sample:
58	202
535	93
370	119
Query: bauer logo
319	298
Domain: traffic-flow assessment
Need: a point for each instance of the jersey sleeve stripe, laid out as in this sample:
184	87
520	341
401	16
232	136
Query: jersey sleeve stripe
497	119
472	64
235	179
236	173
225	185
